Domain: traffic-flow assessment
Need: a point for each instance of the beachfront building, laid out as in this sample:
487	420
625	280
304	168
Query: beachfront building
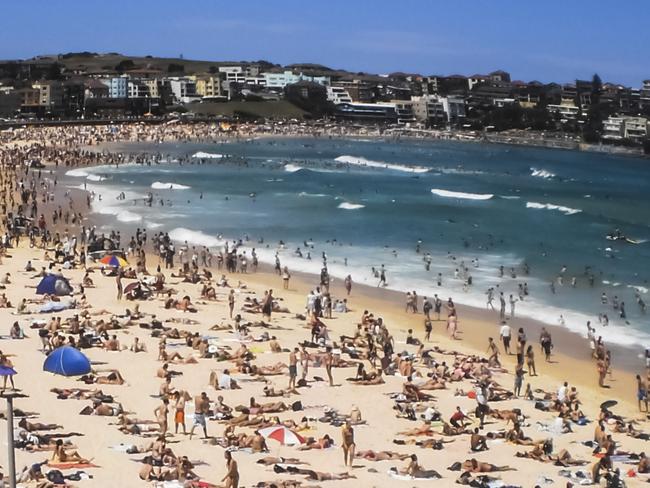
404	109
182	88
281	80
137	89
358	90
208	86
50	94
631	128
429	110
375	112
565	112
118	86
336	95
454	107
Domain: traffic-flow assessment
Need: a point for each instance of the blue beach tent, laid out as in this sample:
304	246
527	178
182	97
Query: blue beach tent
67	361
54	285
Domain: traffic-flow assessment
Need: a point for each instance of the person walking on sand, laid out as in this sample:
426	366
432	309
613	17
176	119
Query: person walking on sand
293	367
285	278
231	479
347	443
201	409
348	284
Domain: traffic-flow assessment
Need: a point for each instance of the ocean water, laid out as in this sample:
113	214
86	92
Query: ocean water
371	202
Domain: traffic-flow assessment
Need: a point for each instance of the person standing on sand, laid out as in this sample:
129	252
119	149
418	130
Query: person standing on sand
179	411
267	305
505	333
231	479
602	372
329	360
546	343
161	416
231	302
118	283
502	311
530	361
285	278
428	328
519	379
641	393
348	284
304	362
347	443
293	367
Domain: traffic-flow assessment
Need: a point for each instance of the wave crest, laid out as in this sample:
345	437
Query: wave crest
163	185
552	206
461	195
359	161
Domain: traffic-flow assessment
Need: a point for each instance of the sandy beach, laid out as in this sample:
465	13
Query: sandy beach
379	412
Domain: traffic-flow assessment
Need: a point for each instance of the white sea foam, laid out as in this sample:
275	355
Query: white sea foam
350	206
77	173
358	161
206	155
541	173
196	237
292	168
95	178
127	216
163	185
552	206
153	225
509	197
462	195
315	195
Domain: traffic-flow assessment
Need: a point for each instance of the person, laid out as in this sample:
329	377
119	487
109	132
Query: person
415	470
428	328
118	283
519	379
494	353
201	408
505	334
347	443
293	368
231	302
179	411
348	284
329	360
60	455
477	441
285	278
530	361
457	418
7	371
231	479
161	413
641	392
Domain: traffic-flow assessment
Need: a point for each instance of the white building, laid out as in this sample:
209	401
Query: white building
280	80
454	107
337	95
183	89
617	128
137	89
118	86
566	112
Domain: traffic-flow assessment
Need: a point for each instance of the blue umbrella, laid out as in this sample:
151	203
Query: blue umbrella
67	361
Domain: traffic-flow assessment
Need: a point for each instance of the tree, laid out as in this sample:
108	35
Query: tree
596	113
124	65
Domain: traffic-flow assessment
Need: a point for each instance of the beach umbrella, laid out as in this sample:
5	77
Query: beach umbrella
54	285
67	361
114	260
283	435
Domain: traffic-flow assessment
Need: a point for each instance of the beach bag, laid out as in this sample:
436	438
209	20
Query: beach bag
42	332
296	406
56	477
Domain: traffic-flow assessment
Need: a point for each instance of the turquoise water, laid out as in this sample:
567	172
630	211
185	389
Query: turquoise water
500	205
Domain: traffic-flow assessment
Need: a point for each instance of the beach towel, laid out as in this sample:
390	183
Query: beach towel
71	465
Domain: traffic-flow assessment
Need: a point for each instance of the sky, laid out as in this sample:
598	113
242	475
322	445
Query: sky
545	41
